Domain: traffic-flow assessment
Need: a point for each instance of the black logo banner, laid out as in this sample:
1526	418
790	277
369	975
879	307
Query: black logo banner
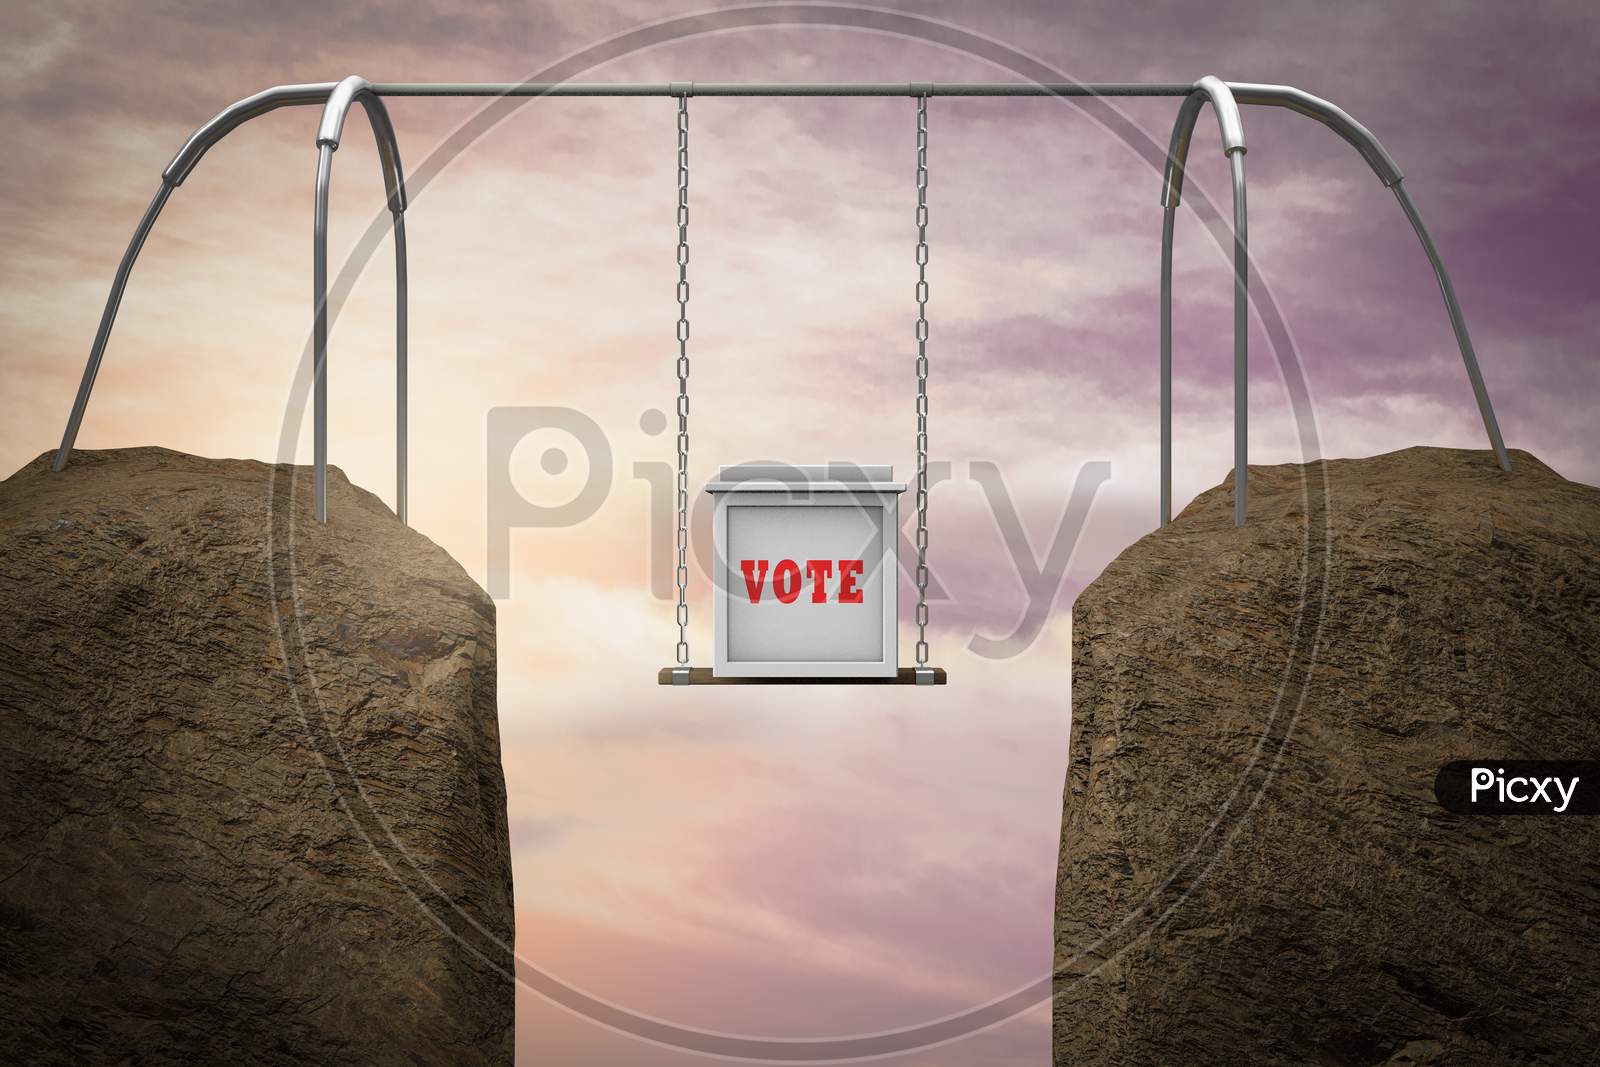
1519	787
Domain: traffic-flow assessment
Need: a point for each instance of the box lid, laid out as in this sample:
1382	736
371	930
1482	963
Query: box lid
801	478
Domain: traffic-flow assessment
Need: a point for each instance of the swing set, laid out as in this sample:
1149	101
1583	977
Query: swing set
773	630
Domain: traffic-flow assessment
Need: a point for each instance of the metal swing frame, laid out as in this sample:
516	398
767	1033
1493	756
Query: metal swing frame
337	98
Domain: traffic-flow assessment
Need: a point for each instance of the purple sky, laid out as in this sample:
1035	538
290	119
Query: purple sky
766	861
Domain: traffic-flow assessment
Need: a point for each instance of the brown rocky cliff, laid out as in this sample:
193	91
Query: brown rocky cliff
1253	867
251	805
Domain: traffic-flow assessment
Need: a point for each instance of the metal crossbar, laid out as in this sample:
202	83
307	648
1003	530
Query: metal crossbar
777	89
1225	98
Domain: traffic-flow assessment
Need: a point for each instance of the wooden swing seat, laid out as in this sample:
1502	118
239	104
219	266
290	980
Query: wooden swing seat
703	676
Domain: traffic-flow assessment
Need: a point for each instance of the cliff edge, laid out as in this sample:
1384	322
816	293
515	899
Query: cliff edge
251	802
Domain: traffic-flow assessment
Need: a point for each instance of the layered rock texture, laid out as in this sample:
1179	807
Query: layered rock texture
1253	866
251	802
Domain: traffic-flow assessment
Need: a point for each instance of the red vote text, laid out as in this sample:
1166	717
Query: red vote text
788	582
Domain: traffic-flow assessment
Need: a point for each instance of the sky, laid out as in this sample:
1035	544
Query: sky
777	862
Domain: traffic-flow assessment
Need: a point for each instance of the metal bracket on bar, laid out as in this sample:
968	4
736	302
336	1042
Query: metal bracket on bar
1335	118
919	88
225	122
680	89
1388	172
179	169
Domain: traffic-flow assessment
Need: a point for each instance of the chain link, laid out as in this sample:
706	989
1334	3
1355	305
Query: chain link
922	380
683	380
921	365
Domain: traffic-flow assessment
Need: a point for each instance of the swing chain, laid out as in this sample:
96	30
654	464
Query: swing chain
683	379
922	380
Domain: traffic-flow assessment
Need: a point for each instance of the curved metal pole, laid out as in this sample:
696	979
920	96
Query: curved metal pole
1168	217
1330	115
108	317
319	329
401	372
346	93
1388	172
176	171
1241	339
1458	324
1216	92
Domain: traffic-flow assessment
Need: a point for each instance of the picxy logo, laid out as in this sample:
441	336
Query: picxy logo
1522	790
1518	787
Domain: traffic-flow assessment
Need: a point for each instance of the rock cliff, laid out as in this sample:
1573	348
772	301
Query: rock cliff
251	803
1253	868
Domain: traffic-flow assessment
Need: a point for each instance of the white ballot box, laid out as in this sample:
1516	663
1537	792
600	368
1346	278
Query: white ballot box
806	571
